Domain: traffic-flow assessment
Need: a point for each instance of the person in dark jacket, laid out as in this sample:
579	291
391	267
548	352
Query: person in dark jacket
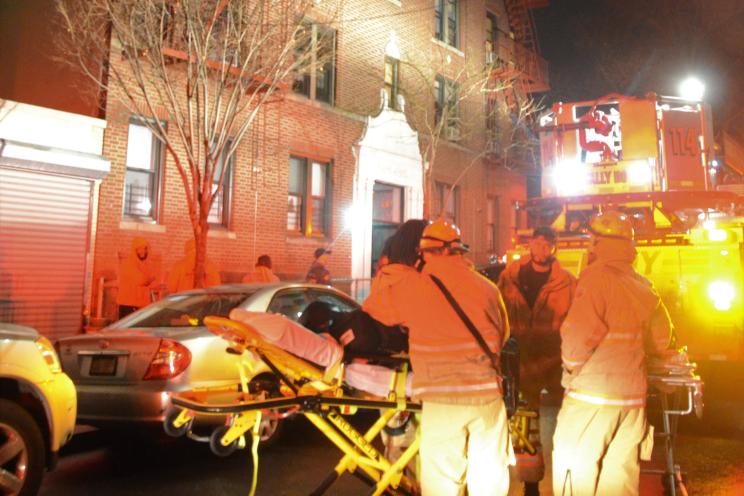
538	292
318	272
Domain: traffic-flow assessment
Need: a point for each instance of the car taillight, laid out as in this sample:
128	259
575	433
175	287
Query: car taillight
50	356
171	359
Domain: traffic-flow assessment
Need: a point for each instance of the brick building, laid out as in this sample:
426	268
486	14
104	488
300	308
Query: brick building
339	159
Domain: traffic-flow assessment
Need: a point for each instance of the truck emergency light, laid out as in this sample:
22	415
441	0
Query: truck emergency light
570	177
714	233
639	172
721	293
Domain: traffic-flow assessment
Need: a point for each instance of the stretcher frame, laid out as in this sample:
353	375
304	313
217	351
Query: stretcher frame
672	385
319	396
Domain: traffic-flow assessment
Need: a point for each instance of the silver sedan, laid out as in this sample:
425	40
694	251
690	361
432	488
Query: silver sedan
125	372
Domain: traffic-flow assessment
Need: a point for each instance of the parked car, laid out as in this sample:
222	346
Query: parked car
37	409
125	372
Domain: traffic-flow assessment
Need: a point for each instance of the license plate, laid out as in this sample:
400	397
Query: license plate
103	365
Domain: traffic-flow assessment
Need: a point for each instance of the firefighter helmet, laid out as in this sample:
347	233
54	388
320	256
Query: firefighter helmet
442	234
612	224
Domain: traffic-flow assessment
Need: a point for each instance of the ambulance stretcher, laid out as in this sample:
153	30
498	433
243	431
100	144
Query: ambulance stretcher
321	396
680	392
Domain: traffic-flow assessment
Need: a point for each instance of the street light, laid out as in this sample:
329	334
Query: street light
692	89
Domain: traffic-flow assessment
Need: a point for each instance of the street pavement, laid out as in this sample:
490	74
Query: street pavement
142	462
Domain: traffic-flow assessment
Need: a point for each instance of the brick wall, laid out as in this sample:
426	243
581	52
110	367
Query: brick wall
299	126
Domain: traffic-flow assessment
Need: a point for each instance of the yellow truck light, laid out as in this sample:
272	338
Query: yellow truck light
721	293
570	177
639	173
713	232
717	234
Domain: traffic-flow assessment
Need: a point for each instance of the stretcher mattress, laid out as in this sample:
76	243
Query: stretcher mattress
292	337
319	349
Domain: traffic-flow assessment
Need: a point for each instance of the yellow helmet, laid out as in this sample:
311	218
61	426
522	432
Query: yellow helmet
442	234
612	224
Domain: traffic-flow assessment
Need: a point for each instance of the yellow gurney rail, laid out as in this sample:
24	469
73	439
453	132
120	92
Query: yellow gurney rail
319	396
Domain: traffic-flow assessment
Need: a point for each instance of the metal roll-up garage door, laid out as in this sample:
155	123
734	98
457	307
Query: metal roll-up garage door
44	226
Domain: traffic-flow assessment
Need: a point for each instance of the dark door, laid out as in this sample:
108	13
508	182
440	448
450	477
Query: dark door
387	215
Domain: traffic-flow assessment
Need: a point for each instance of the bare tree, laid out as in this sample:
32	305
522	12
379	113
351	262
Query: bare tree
469	103
204	67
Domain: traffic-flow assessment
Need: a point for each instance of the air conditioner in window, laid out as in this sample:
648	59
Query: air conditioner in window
493	60
493	147
452	133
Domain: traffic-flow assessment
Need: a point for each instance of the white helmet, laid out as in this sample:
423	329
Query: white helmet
612	224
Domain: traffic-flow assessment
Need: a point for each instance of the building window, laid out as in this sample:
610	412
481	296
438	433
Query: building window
447	107
316	52
447	21
492	29
387	204
219	213
492	216
308	208
391	81
145	154
451	210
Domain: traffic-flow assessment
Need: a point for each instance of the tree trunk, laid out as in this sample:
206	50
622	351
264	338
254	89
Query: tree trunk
428	207
200	240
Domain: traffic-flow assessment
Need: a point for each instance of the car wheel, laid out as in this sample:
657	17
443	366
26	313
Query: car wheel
22	451
271	426
217	447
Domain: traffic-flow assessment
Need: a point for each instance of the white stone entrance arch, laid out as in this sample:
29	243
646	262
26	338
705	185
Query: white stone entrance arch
387	152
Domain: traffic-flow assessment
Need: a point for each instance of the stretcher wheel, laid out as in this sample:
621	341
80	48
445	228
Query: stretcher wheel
217	447
170	416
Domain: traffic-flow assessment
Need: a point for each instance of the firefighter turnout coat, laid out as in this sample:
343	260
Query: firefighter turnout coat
449	365
615	321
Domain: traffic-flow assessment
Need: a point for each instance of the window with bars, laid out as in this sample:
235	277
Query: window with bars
308	207
142	181
447	22
391	81
492	30
492	216
452	209
447	107
316	52
219	213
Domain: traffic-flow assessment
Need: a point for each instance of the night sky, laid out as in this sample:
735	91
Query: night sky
595	47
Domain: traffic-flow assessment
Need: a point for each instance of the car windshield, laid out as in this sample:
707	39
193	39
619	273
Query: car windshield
184	310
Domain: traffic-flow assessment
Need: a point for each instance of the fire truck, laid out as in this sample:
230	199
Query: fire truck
650	157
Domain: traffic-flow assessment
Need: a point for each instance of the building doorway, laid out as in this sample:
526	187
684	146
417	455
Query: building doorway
387	215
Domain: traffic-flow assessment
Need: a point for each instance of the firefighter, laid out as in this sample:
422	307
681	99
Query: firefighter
181	277
537	293
464	437
138	274
615	322
318	272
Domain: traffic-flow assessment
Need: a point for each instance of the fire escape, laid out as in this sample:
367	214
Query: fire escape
516	70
